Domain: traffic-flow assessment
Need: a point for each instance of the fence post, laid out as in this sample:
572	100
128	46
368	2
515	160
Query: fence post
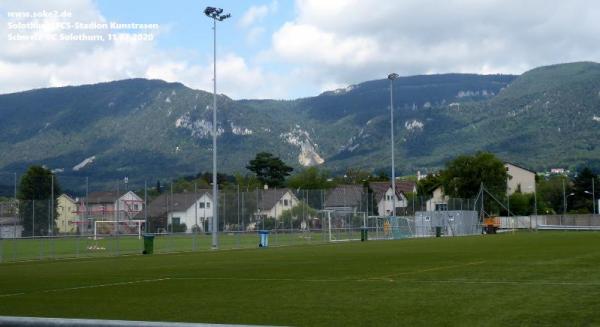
51	222
33	218
118	209
238	217
195	227
224	213
17	213
14	254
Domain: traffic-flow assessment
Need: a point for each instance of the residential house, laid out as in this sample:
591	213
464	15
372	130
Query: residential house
438	201
105	205
67	215
192	209
345	199
273	202
384	196
521	179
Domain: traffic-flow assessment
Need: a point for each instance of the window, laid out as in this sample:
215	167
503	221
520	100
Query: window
176	220
441	207
201	205
208	204
285	203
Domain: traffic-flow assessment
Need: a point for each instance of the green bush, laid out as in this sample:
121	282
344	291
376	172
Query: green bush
176	228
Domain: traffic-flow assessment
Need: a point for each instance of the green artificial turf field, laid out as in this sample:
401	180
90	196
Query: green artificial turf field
26	249
545	278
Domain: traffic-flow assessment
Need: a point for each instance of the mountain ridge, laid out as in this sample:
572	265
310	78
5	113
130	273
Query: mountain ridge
155	129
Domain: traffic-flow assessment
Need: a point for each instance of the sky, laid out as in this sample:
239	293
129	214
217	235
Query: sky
288	49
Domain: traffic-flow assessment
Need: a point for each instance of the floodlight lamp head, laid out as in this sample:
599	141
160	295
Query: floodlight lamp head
209	11
393	76
215	13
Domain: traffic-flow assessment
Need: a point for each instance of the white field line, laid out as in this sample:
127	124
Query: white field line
105	285
245	279
328	280
503	282
390	277
421	281
424	281
89	286
174	253
13	294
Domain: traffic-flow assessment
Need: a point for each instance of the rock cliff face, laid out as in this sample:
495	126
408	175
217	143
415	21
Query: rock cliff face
147	129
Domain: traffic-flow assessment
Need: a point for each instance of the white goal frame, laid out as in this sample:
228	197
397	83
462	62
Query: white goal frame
138	221
332	231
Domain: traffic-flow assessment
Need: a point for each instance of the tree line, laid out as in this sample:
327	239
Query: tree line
461	177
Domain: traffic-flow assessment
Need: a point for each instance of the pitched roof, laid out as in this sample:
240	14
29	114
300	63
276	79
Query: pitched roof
104	197
268	198
68	197
519	166
166	202
379	188
406	186
344	196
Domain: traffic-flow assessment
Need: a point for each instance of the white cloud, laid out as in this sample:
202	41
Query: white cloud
235	77
34	64
254	34
328	44
302	42
253	15
44	51
348	41
252	21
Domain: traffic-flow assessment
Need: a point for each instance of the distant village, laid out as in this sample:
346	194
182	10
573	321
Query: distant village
193	211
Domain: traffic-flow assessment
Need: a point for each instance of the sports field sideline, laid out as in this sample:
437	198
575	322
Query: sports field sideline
74	246
545	278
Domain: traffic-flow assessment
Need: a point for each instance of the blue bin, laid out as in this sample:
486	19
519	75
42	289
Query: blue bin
264	238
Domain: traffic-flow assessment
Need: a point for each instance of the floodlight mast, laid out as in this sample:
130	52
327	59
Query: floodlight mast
215	14
392	77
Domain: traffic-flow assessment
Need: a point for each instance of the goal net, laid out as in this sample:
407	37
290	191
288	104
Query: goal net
104	228
342	226
390	228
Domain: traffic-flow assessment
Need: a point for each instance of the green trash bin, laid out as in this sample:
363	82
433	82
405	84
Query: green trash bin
438	231
148	244
364	234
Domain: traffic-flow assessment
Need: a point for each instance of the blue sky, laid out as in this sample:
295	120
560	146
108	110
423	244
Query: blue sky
287	49
188	27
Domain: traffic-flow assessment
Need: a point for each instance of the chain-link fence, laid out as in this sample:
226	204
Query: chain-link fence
74	217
